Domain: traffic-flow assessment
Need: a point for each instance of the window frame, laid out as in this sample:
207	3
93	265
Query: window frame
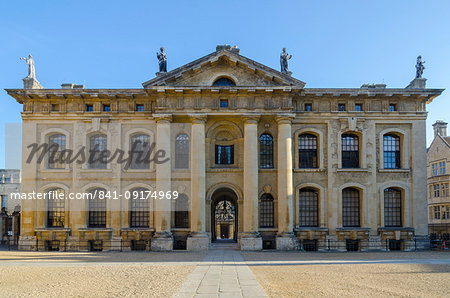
217	158
350	159
266	211
308	214
182	146
266	151
97	164
139	212
393	147
393	207
57	153
182	217
351	211
97	209
311	153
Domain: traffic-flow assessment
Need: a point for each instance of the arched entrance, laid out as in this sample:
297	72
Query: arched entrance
224	216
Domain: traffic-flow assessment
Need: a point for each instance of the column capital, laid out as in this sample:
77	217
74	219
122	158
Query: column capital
198	118
285	118
251	118
163	118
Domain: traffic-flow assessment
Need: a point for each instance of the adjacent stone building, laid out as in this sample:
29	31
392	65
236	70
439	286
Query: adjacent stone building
9	183
255	157
438	158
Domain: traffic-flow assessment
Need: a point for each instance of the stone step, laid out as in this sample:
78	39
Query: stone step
231	246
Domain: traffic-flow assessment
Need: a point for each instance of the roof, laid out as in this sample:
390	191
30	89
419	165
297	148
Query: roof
233	55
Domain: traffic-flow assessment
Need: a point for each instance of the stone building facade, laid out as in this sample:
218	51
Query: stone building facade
9	183
438	158
255	157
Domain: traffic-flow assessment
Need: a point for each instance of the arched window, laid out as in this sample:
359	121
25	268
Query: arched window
182	211
266	151
182	151
391	148
266	211
351	210
392	207
57	143
139	208
97	208
307	151
350	151
140	146
97	147
223	82
309	207
56	208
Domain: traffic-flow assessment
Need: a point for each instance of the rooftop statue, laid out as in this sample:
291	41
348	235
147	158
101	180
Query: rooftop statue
284	57
30	62
162	60
419	67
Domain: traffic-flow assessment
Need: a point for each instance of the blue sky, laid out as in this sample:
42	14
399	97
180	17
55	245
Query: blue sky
112	44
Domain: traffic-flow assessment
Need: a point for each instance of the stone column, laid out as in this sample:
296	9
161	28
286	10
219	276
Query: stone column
163	240
286	239
198	239
250	238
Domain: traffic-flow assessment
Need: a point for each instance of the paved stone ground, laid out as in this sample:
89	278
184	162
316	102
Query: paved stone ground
223	273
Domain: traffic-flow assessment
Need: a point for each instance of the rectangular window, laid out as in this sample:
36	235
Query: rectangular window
4	201
350	208
434	169
308	107
442	168
445	212
358	107
139	108
341	107
106	108
437	212
309	208
89	108
350	151
224	155
436	191
224	103
392	107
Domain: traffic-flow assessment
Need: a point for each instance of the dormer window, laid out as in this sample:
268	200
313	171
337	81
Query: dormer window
223	82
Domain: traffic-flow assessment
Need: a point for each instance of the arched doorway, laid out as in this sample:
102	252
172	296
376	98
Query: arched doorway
224	216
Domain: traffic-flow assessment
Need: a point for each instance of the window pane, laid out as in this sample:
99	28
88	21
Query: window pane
182	211
97	158
266	211
309	208
56	209
97	208
139	207
57	143
392	208
266	151
391	148
350	208
350	151
140	144
182	151
307	151
224	155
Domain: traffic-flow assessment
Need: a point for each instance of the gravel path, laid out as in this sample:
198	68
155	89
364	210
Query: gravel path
294	274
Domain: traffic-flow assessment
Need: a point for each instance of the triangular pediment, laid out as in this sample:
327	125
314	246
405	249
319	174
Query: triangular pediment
224	63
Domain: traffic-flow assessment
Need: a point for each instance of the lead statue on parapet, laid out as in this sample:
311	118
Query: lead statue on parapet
162	60
284	57
30	62
419	67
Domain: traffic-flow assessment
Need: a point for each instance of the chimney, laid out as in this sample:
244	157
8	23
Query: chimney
440	128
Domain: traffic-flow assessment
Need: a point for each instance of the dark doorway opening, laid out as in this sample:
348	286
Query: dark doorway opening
224	216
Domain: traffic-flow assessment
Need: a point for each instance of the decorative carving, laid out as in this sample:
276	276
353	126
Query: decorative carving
267	188
163	117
